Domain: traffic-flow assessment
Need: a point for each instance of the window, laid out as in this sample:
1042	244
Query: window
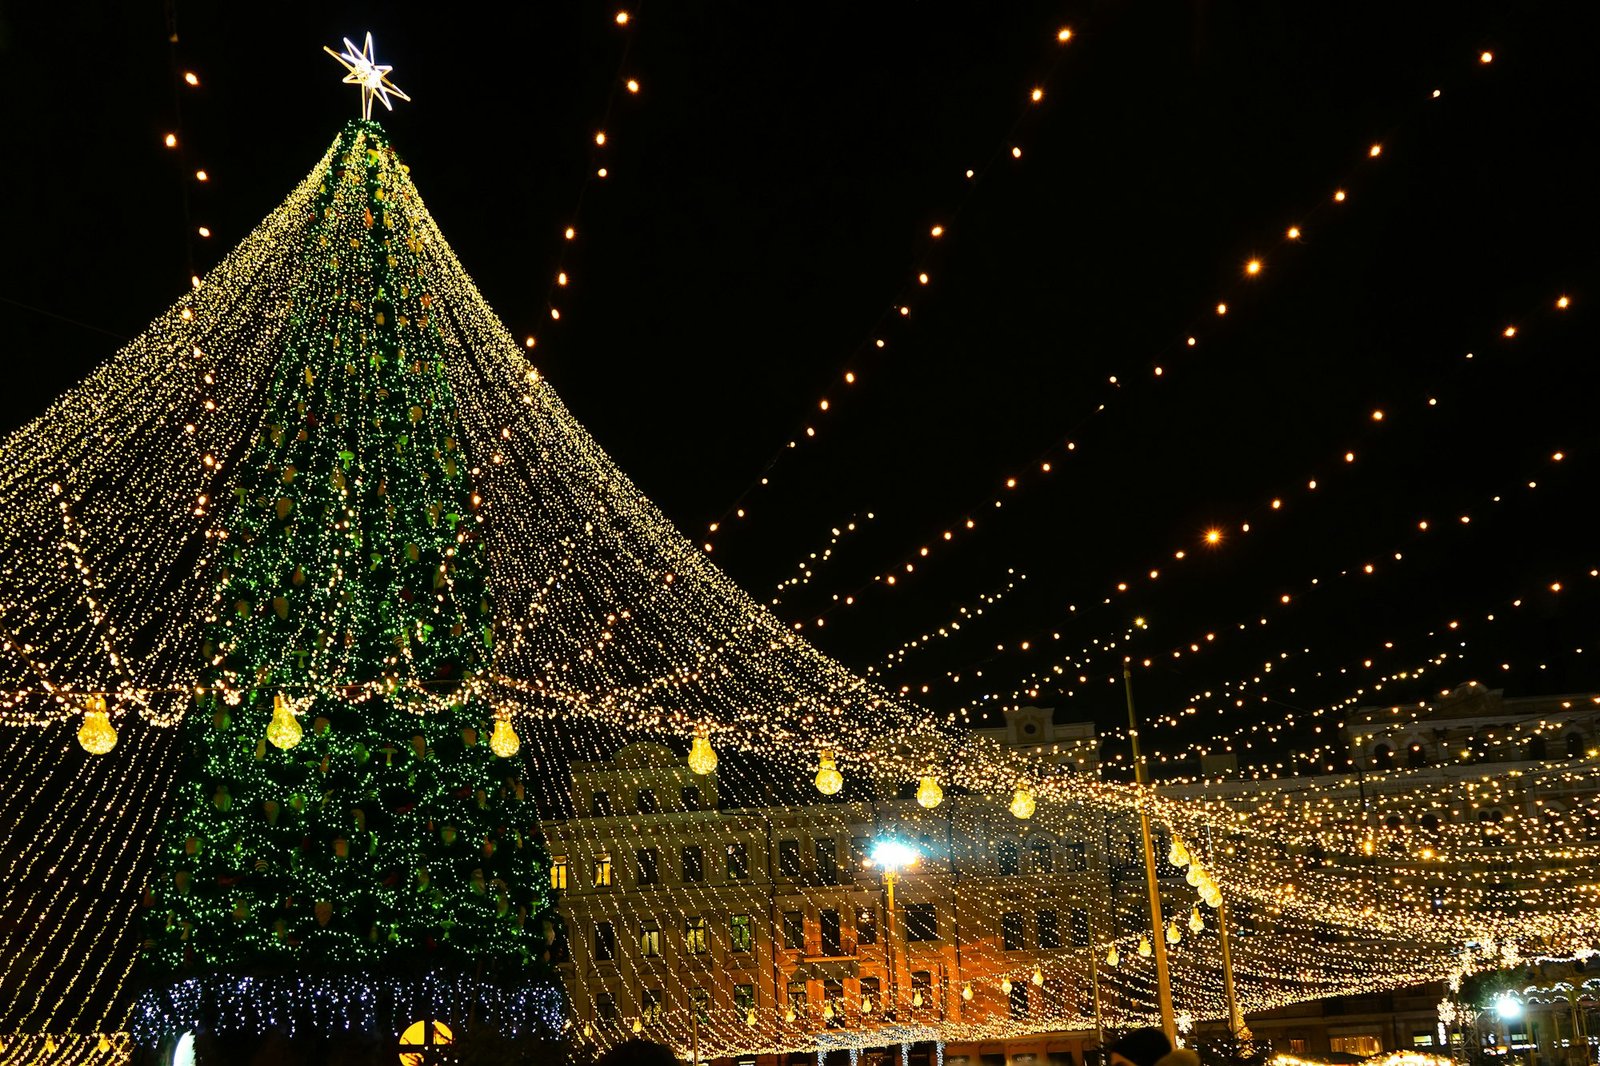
829	921
602	872
1043	855
1010	857
700	1003
1536	750
693	798
1297	1045
1421	1039
650	940
605	941
827	862
744	996
600	804
694	863
650	1005
798	997
869	995
922	921
696	937
921	988
789	858
1011	938
1019	999
794	930
558	871
645	800
1363	1045
1049	930
833	993
741	932
1079	919
867	925
605	1007
1072	857
649	866
738	861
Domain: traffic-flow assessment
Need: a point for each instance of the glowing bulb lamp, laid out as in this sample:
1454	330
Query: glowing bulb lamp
929	794
1174	934
503	739
1022	803
1112	958
1178	855
284	731
96	735
829	779
702	756
1144	947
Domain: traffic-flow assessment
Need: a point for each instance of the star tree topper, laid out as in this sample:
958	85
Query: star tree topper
362	70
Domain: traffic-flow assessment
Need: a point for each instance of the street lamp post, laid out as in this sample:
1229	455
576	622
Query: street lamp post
892	856
1158	939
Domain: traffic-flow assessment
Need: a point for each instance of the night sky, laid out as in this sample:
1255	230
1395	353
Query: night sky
768	206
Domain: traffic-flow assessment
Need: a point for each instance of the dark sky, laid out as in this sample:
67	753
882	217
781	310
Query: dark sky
768	204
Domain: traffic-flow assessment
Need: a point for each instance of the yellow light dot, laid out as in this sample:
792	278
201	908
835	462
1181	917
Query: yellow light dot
1349	457
1563	303
1222	309
922	279
1277	505
937	231
201	175
1375	151
191	78
1510	331
1213	536
1037	95
561	278
171	140
1555	586
1063	35
1158	371
204	231
1016	153
633	85
602	172
555	313
970	173
904	311
1192	342
1377	416
1294	233
530	342
1339	196
1253	267
823	405
849	377
569	233
1558	456
1011	482
622	18
1486	57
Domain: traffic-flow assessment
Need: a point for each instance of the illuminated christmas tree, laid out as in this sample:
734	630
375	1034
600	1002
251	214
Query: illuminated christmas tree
351	829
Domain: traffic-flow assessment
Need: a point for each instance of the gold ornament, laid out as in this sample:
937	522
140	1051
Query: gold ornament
702	756
1144	947
929	794
284	730
1022	804
1038	977
1179	855
1196	923
96	735
829	779
966	991
1005	985
750	1017
916	997
1112	958
503	739
1174	933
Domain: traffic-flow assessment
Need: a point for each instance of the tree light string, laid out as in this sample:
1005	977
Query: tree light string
911	293
1065	445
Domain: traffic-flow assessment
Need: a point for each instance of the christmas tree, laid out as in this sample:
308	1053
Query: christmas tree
350	831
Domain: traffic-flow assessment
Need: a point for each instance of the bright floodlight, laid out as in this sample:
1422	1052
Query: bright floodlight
1508	1008
894	854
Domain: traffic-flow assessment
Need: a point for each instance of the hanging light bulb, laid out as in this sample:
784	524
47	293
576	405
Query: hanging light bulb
1174	933
966	991
702	757
929	794
1005	985
829	779
1192	878
638	1026
1144	947
916	997
866	1004
96	735
1196	923
588	1030
750	1017
1112	958
284	730
1038	977
503	739
1213	899
789	1015
1022	804
1179	855
827	1010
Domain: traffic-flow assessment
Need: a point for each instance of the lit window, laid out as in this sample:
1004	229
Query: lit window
738	861
558	872
423	1035
650	940
650	1006
741	932
696	936
602	872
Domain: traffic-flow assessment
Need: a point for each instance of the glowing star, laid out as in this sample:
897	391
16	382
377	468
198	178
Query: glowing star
362	70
